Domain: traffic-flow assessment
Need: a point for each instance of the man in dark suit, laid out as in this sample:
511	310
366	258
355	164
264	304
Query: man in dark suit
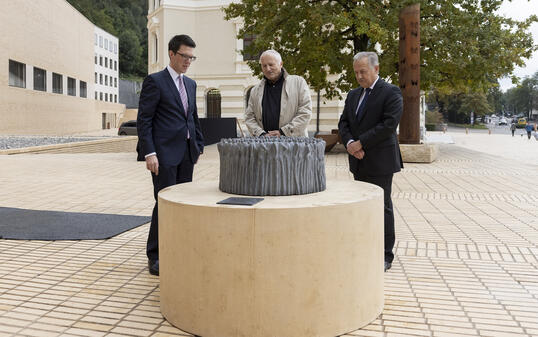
367	127
168	129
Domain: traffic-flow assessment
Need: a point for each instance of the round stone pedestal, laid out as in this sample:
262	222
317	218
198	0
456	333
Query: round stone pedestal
303	266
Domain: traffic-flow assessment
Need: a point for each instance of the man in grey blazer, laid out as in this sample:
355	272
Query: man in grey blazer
367	127
168	130
280	105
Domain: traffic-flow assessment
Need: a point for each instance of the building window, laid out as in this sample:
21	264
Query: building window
111	66
213	99
101	41
57	83
100	96
95	38
156	47
115	98
100	78
95	58
83	90
115	48
96	95
115	65
115	82
106	62
96	78
40	79
17	74
106	97
71	86
100	60
247	41
106	79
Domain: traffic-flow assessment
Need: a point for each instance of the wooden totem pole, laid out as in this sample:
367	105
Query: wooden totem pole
409	69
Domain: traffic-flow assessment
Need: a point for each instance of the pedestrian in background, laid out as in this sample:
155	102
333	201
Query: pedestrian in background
513	128
528	127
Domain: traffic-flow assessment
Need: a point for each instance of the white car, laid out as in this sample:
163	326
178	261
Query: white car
503	121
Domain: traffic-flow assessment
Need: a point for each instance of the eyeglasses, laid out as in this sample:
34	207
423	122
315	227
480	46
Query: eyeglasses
186	57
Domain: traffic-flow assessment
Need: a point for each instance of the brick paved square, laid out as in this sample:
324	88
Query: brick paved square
466	251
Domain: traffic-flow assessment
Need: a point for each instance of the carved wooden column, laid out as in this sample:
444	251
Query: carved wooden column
409	68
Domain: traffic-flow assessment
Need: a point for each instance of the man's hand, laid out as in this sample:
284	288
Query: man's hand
152	164
359	154
273	133
354	147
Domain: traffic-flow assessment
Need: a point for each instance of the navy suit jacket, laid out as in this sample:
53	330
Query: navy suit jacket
162	123
376	129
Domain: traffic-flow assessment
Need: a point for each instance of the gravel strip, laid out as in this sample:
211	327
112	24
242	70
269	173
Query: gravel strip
17	142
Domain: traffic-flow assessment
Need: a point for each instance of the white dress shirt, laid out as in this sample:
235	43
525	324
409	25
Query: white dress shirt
360	101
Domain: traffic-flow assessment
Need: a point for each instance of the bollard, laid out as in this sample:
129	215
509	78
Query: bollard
489	131
466	130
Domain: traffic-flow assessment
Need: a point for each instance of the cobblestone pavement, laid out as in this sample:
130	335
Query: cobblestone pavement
466	253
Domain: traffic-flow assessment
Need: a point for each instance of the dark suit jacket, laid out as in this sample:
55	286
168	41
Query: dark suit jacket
376	130
162	124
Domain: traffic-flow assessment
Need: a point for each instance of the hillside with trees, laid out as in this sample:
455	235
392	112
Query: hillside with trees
127	20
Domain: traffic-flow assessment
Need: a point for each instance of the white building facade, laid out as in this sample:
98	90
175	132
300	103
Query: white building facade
219	65
106	66
47	84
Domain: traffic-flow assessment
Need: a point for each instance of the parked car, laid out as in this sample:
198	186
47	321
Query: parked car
128	128
521	122
503	121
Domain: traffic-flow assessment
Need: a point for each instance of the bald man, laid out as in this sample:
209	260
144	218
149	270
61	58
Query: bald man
280	105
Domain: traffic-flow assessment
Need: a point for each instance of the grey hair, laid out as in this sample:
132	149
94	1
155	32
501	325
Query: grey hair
273	53
373	60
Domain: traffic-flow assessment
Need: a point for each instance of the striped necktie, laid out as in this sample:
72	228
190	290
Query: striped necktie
183	94
184	99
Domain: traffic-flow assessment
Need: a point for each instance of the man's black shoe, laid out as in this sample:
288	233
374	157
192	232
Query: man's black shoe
153	266
388	265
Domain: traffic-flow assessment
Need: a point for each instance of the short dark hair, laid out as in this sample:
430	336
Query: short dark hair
177	41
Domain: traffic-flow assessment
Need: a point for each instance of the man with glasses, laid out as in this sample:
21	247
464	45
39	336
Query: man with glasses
168	129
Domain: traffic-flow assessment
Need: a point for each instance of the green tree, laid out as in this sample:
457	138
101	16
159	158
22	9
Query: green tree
127	20
131	52
463	42
522	99
496	100
475	102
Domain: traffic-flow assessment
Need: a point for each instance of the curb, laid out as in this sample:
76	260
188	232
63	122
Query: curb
41	148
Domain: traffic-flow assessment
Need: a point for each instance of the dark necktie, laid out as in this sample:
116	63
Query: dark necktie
360	110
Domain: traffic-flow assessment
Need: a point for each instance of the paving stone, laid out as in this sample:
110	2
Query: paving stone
466	252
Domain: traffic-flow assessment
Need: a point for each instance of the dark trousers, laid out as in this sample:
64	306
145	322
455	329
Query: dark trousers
168	176
385	182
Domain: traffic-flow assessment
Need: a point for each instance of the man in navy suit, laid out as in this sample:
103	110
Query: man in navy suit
367	127
168	129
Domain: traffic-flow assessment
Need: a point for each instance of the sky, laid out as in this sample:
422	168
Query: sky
519	10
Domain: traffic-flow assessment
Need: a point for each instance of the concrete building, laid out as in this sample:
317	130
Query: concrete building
219	68
106	66
48	82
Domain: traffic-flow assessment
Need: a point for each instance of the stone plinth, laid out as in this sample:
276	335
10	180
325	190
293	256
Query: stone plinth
302	266
419	153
